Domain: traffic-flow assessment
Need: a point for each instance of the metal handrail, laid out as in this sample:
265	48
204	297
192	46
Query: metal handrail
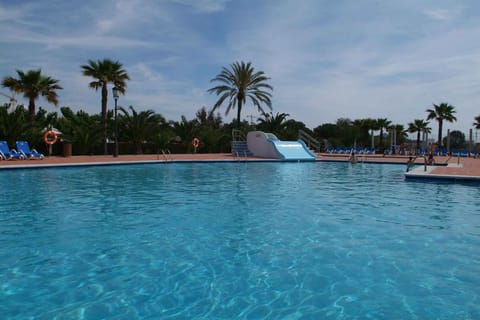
167	156
309	140
238	135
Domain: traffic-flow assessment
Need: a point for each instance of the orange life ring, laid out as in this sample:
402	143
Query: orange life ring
50	137
195	142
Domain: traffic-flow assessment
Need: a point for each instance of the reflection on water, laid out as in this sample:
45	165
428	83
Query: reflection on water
237	240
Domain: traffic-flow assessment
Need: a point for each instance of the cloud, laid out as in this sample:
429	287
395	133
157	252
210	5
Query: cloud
326	60
335	61
439	14
205	6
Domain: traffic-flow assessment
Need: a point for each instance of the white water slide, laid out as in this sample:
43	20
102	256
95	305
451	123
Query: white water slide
267	145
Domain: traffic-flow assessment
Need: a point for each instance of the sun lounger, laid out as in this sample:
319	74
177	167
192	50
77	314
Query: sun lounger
24	148
7	154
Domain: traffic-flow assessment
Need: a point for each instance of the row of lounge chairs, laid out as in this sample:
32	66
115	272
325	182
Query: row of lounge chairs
420	152
436	152
464	153
23	151
444	152
347	150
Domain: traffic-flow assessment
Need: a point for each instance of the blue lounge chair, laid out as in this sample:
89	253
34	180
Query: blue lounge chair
24	148
7	154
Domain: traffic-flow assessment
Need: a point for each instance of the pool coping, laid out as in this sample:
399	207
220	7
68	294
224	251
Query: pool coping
115	163
427	172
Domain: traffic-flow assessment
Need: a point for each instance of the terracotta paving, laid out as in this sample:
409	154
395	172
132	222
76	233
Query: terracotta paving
109	159
454	167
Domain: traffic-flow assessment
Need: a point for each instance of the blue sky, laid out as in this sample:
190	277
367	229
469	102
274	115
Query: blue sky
326	59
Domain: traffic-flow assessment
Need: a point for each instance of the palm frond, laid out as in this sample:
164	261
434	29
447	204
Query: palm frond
240	84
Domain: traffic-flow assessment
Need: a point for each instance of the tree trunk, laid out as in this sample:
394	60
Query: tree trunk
381	138
31	110
418	142
239	109
440	128
104	117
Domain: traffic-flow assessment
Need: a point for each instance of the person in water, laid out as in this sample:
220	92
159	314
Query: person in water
430	160
353	158
410	163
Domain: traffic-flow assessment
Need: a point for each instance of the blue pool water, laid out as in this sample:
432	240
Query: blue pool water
237	241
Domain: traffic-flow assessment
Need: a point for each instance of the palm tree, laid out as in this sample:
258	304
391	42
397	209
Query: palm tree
400	133
208	119
12	124
140	127
80	129
240	83
104	72
441	112
382	123
273	123
418	126
477	122
33	85
186	130
370	125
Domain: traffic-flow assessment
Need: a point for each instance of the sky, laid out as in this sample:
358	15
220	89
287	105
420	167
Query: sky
325	59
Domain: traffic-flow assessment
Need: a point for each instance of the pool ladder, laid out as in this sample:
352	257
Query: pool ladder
167	156
240	154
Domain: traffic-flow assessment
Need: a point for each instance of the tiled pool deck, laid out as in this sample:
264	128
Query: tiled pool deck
446	168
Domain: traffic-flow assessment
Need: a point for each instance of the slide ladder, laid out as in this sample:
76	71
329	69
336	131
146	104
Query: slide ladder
239	145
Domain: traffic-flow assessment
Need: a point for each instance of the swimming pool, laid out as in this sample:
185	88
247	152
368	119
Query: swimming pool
237	241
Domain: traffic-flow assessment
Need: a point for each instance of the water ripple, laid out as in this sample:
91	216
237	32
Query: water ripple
237	240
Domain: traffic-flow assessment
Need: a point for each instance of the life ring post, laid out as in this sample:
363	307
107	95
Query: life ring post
50	138
195	143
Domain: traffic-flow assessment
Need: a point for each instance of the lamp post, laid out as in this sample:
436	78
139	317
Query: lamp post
116	93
